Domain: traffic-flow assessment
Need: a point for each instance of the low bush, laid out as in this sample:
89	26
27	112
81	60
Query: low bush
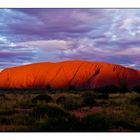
6	120
70	102
122	121
136	89
96	95
22	119
98	122
61	100
102	96
88	99
42	98
51	110
3	97
59	124
6	112
108	89
136	101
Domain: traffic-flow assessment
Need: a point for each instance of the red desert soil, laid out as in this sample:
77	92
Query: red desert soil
80	74
4	128
80	113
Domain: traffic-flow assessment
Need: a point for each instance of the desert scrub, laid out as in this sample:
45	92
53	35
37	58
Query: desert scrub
42	98
124	120
22	119
6	120
88	99
25	105
3	98
70	102
96	122
6	111
107	89
20	128
58	124
96	95
51	110
136	101
136	89
39	123
122	101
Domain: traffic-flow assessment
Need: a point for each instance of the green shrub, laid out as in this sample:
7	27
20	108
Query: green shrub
88	99
17	119
102	96
136	89
96	95
5	112
122	124
61	100
98	122
22	119
42	98
70	102
6	120
59	124
21	128
3	97
71	87
25	105
122	121
51	110
136	101
123	88
48	87
108	89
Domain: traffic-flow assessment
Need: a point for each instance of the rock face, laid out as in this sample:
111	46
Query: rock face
63	75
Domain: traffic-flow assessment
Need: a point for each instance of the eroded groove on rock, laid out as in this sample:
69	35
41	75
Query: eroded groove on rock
75	73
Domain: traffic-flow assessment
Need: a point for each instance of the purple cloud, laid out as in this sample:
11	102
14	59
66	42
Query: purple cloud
34	35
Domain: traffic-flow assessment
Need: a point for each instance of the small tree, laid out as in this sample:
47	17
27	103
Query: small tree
48	87
89	99
71	87
108	89
43	98
136	89
123	88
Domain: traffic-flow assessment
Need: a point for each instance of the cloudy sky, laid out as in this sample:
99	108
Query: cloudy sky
34	35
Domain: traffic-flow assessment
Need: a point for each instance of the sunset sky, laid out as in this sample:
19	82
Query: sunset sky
35	35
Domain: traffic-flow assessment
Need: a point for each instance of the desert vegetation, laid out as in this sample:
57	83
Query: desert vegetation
69	111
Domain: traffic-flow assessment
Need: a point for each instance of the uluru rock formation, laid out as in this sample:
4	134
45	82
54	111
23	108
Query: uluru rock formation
62	75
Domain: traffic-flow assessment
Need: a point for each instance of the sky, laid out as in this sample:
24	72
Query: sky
36	35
